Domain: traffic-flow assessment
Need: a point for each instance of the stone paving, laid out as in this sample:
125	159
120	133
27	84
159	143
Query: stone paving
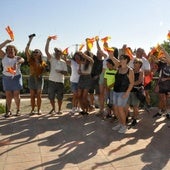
75	142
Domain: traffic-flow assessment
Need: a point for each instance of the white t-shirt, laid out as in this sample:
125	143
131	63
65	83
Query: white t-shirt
74	72
57	65
10	62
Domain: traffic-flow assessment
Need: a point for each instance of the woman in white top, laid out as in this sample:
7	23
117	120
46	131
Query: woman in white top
74	79
11	76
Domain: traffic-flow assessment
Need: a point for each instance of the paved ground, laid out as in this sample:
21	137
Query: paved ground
74	142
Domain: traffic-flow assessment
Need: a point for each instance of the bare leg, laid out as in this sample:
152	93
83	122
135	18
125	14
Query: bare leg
9	96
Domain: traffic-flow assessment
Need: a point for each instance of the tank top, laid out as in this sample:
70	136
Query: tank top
121	82
136	78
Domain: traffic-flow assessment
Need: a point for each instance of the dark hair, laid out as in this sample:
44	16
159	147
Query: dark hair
110	61
76	54
87	62
116	52
126	57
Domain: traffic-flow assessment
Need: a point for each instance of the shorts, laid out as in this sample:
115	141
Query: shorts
55	88
35	83
94	86
74	87
84	82
133	100
118	100
12	83
148	86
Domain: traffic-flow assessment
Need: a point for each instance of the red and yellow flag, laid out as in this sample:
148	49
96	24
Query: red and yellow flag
10	32
168	35
108	49
81	47
65	51
105	39
89	42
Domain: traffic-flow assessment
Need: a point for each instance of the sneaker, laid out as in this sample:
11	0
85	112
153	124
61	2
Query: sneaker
168	115
84	113
73	110
78	110
133	123
123	129
157	115
117	127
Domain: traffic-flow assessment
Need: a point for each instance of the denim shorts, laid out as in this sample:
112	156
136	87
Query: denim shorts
74	87
35	83
118	100
12	83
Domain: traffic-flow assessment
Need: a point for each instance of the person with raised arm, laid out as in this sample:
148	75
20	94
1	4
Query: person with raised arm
58	70
11	76
36	81
124	82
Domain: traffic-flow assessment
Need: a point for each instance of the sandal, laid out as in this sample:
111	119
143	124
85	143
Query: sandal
39	112
32	113
8	114
18	113
52	111
59	113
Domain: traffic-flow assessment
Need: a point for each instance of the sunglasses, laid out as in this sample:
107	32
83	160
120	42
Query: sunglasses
36	52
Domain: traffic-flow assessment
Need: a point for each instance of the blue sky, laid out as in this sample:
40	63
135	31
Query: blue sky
137	23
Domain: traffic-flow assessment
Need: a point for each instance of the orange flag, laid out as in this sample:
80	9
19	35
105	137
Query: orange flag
129	52
90	42
105	39
108	49
81	47
54	37
168	35
11	70
10	32
65	51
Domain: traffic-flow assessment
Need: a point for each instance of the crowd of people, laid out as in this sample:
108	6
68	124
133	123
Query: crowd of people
112	76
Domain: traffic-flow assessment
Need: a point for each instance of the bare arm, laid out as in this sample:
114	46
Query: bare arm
131	80
47	48
87	57
27	51
2	53
140	80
